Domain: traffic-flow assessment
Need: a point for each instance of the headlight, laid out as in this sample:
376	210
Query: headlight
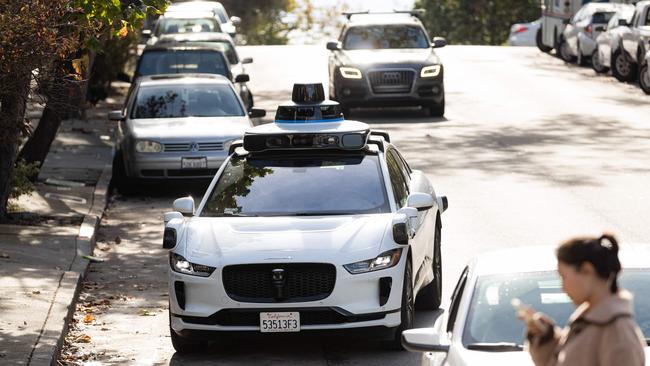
430	71
146	146
350	72
384	260
182	265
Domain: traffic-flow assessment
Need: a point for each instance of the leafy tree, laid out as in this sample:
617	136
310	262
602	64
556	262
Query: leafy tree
482	22
262	20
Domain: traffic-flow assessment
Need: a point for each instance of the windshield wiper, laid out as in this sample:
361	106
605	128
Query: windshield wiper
497	347
323	213
228	214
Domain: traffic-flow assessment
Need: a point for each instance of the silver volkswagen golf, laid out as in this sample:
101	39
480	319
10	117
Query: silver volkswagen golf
177	126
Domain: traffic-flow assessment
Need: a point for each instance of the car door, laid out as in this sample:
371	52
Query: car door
604	50
629	45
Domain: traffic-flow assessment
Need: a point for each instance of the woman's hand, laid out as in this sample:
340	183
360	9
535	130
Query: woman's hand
538	324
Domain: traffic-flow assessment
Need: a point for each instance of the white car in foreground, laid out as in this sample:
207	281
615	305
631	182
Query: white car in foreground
313	223
481	327
524	34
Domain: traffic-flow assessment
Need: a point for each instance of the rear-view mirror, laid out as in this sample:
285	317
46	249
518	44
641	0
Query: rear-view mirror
256	113
333	46
247	60
116	115
185	206
438	42
423	340
242	78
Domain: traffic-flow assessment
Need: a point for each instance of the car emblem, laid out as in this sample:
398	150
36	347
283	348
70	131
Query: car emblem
194	147
278	275
278	282
391	77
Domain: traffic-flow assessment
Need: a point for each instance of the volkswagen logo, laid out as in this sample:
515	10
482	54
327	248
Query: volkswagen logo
194	147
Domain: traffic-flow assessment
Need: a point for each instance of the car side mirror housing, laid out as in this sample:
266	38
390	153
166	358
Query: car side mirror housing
235	20
438	42
623	23
423	340
420	201
404	225
169	216
146	33
185	206
600	29
333	46
257	113
247	60
443	203
116	115
242	78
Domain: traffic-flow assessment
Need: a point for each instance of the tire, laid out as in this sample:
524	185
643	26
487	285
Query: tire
596	64
430	296
644	78
563	51
123	184
407	310
437	109
622	68
538	39
186	345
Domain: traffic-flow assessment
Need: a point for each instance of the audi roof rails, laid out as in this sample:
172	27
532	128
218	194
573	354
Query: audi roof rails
381	133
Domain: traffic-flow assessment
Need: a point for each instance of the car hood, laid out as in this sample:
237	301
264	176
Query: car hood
281	239
190	127
467	357
389	57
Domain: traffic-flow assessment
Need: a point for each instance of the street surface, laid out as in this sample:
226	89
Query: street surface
531	151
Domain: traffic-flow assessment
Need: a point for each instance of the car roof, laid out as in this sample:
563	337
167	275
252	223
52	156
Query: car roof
606	7
180	46
188	14
542	258
170	79
195	37
383	18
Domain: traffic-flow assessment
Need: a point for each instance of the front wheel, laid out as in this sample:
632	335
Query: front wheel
538	39
407	311
437	109
184	344
622	68
597	64
644	78
565	53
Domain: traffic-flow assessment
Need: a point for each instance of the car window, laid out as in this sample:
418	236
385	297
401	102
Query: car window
647	18
397	181
287	185
225	46
404	164
613	23
218	100
455	299
180	61
385	36
190	25
401	164
602	17
491	318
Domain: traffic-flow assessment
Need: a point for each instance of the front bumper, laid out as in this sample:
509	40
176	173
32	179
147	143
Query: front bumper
204	305
166	165
366	93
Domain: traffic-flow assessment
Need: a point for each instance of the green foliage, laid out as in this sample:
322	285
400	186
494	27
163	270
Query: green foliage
481	22
20	182
261	20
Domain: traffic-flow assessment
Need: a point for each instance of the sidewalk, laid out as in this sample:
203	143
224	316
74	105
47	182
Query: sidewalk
42	264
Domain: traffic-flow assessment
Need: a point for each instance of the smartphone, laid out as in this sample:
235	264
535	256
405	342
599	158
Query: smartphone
524	311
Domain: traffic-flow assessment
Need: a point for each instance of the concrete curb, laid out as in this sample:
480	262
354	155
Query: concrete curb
66	295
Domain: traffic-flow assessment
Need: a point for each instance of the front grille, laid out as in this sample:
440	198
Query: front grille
191	172
391	81
300	282
186	146
309	316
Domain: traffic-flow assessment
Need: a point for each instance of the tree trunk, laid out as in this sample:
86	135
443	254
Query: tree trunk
38	145
12	114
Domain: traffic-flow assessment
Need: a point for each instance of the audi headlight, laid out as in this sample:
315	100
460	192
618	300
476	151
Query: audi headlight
350	72
146	146
181	265
384	260
430	71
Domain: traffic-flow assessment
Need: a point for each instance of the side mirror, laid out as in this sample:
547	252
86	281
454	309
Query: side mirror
242	78
116	115
623	23
420	201
256	113
423	340
333	46
404	225
600	29
169	216
443	203
438	42
185	206
146	33
247	60
235	20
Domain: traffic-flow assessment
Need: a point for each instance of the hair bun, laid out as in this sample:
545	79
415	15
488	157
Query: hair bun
608	241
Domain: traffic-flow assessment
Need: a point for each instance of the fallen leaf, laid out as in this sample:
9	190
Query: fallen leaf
145	312
118	240
88	318
82	338
104	329
36	292
24	322
4	255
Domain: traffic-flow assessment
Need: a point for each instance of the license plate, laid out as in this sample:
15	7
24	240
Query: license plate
194	163
279	322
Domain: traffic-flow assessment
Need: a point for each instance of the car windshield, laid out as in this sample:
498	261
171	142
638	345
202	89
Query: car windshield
385	36
492	320
190	25
286	185
182	61
214	100
223	45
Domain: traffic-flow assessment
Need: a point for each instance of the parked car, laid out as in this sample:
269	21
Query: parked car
177	126
383	60
228	24
313	223
222	42
175	58
635	43
644	74
184	22
481	327
524	34
610	39
578	40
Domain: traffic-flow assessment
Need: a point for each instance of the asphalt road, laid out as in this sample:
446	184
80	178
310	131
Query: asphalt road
531	151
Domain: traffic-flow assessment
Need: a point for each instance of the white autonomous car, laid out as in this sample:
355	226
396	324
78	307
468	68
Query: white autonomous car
312	223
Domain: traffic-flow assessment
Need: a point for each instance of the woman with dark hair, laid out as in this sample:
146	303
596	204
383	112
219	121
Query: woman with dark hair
602	330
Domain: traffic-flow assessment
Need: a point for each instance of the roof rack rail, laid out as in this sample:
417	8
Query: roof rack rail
381	133
349	14
418	13
376	141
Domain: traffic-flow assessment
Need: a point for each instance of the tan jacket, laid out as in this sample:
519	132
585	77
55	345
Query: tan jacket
603	336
